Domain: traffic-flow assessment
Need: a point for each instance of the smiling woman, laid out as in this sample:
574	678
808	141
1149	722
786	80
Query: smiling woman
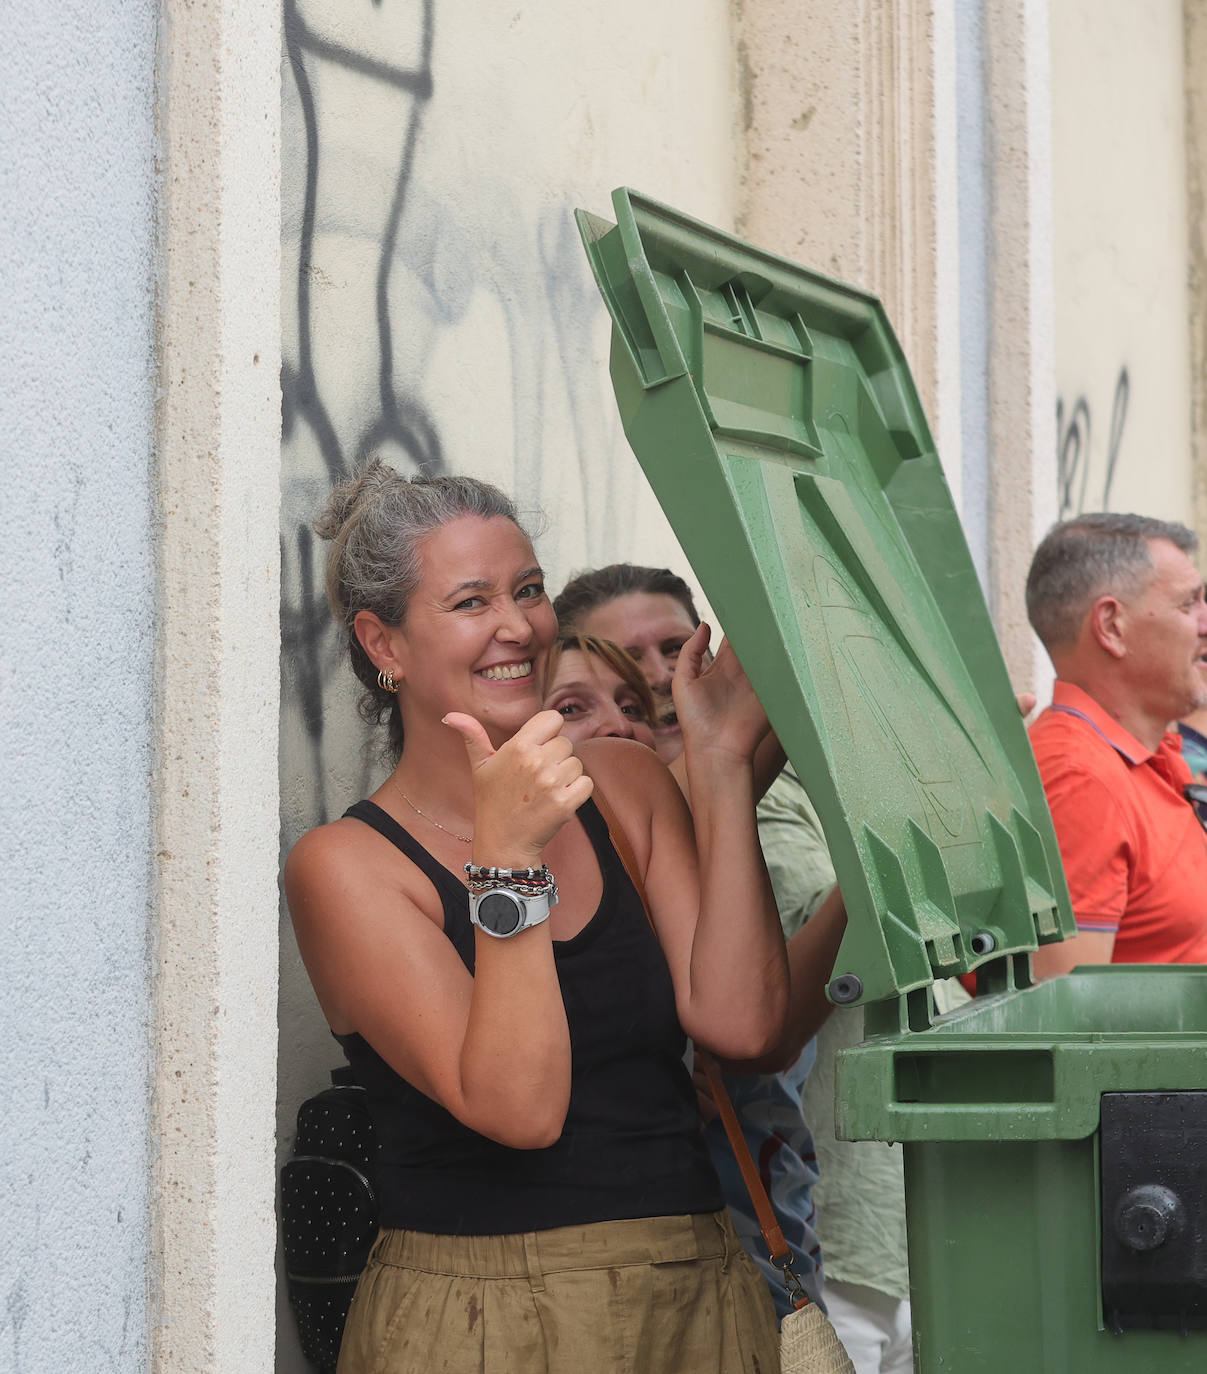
546	1209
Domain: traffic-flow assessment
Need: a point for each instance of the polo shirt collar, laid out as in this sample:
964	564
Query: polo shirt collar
1070	700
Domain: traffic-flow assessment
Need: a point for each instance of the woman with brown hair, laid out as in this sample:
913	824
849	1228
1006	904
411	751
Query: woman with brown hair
598	691
546	1199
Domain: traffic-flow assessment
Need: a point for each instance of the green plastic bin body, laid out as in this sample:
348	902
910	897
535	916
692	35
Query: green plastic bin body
999	1104
775	417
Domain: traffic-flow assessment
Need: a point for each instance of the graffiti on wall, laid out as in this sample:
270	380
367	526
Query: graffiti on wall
386	275
398	417
1086	474
323	441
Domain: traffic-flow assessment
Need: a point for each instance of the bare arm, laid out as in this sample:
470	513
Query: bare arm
494	1048
1087	947
769	759
811	955
709	894
724	948
769	756
738	961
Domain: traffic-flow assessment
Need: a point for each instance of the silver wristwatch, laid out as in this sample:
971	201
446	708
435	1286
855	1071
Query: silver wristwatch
504	911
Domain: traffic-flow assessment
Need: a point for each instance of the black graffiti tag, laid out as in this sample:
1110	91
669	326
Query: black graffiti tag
1073	433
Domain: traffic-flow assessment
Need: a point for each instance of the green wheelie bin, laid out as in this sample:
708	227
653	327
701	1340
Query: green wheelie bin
1055	1135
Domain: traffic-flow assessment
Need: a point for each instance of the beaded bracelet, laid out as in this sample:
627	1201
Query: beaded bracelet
478	871
528	882
478	886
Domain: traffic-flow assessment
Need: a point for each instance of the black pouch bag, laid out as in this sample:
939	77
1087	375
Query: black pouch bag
328	1213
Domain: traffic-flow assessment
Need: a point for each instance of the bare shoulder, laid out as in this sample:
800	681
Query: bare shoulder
345	871
638	787
329	853
323	842
363	914
623	768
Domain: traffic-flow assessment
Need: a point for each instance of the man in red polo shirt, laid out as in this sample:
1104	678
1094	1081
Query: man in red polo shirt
1119	606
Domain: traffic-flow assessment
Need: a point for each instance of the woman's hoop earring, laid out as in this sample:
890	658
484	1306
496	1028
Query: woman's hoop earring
386	680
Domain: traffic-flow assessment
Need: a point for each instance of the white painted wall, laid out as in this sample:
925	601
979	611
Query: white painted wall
76	258
438	309
1122	305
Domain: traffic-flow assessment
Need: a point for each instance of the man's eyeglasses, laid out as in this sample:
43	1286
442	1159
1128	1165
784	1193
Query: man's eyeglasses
1196	794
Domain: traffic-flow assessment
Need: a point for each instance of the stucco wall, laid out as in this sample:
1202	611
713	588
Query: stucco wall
439	311
1120	251
974	202
76	259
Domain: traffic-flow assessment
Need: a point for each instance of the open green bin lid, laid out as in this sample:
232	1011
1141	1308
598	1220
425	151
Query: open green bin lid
776	419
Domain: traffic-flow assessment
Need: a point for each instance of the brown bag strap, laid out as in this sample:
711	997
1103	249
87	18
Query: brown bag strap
620	843
773	1237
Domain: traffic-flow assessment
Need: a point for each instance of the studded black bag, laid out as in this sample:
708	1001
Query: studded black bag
328	1213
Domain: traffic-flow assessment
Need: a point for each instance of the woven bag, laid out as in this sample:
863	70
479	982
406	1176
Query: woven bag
810	1345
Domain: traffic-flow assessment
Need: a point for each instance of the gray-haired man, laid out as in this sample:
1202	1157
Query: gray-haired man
1119	606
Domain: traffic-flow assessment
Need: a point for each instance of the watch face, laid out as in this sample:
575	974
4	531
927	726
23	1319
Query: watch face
500	913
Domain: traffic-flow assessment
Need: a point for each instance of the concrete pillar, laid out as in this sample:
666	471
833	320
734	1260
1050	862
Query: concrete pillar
216	698
849	166
1021	393
1194	17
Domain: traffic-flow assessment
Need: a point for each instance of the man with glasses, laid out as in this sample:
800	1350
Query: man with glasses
1119	606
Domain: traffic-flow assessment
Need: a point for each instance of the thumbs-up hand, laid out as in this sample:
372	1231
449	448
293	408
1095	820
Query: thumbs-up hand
525	791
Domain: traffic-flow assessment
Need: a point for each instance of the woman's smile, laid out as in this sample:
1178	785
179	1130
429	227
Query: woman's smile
506	672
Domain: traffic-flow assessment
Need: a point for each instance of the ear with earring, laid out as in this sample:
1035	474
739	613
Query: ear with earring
385	680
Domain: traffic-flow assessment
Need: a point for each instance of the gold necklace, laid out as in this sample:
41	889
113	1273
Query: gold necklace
431	820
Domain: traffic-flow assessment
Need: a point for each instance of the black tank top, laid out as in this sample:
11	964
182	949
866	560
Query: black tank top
632	1144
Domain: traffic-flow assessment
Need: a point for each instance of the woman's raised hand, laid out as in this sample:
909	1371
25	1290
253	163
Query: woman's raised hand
525	791
715	702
